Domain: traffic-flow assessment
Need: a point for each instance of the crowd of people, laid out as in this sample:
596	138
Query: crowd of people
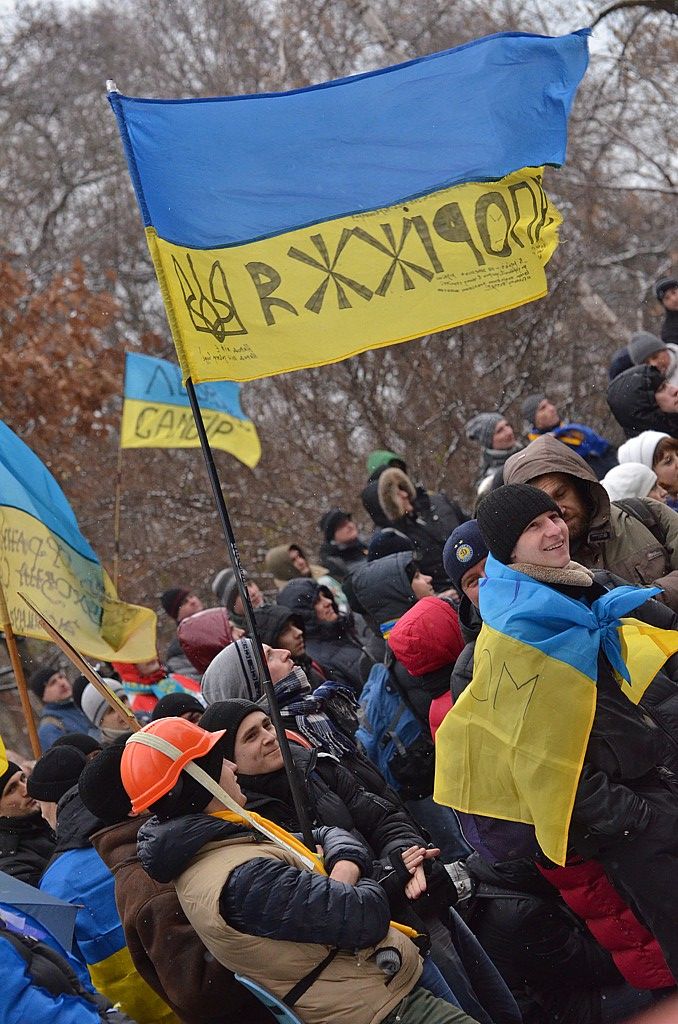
521	665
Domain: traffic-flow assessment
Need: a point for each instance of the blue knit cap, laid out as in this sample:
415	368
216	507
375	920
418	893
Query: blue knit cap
463	549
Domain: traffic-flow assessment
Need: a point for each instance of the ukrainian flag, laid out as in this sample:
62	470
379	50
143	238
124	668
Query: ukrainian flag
80	877
513	744
295	229
44	555
156	412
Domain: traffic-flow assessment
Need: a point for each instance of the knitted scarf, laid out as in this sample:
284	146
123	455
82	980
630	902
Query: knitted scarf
307	711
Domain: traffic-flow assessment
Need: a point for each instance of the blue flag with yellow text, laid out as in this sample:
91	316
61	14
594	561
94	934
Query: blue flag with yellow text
295	229
513	745
44	555
156	412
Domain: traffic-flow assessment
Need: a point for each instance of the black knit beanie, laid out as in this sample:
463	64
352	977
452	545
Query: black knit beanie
100	786
331	521
172	600
41	677
80	740
57	771
9	772
228	715
506	512
172	705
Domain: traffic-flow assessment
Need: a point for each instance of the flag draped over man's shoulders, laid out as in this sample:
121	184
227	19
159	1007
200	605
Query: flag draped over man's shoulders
44	555
514	743
295	229
156	412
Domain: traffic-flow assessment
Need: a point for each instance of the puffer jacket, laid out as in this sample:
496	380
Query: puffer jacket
434	518
337	800
159	937
552	965
631	397
40	985
261	912
26	845
616	540
586	889
344	648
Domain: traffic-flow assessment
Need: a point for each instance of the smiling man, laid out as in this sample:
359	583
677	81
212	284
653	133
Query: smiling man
26	840
641	548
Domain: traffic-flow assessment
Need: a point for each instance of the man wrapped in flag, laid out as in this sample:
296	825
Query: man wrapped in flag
44	556
296	229
549	732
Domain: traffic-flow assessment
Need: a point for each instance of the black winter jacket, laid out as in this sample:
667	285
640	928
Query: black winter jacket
669	329
336	799
272	899
631	397
343	648
341	559
26	845
545	954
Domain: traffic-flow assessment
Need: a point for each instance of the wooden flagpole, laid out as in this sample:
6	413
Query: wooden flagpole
18	669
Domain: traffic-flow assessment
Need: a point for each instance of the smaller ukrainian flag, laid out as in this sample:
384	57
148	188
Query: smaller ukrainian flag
156	412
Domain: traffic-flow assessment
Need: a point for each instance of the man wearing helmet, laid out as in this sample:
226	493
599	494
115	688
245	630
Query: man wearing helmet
263	904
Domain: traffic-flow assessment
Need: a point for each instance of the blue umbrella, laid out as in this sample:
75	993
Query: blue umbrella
57	917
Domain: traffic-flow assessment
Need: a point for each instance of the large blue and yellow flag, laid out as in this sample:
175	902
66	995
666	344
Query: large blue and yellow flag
44	555
514	743
156	412
296	229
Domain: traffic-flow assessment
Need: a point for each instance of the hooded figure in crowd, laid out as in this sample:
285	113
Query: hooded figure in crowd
341	644
279	627
666	290
271	910
642	399
639	550
648	349
542	417
26	839
288	562
427	519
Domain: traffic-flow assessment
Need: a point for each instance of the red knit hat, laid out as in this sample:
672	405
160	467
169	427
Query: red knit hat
427	637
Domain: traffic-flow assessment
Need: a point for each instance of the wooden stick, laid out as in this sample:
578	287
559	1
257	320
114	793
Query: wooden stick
18	669
84	667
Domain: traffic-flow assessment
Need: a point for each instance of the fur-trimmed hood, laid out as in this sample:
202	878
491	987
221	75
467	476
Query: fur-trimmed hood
389	482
